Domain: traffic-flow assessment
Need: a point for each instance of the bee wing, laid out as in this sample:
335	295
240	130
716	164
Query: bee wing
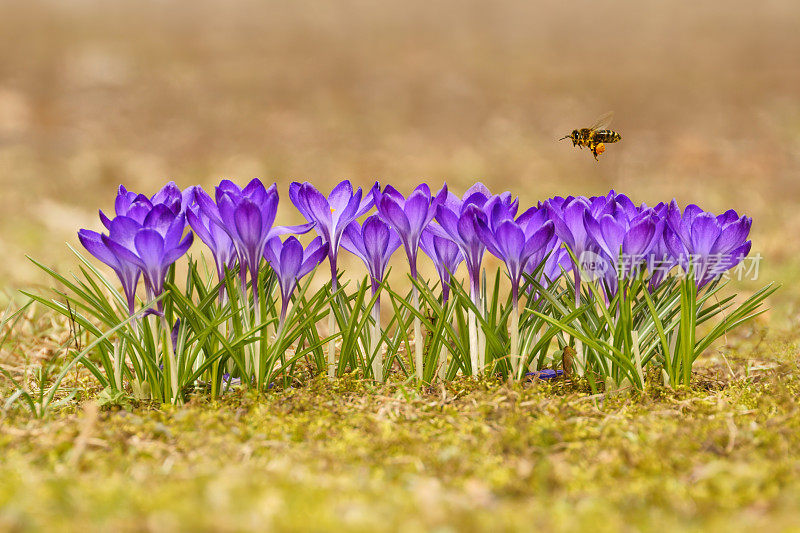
603	122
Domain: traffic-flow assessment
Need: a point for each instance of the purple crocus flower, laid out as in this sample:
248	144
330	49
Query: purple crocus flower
135	212
409	216
457	221
567	215
570	216
708	244
153	245
126	270
556	259
456	218
137	206
247	216
446	257
332	214
291	263
374	243
660	261
625	239
212	234
516	244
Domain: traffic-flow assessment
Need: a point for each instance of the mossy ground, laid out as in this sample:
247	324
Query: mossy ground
723	455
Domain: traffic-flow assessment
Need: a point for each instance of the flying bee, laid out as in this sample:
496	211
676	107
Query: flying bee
595	137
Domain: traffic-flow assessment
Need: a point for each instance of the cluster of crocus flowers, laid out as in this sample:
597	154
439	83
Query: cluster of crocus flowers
148	234
144	238
624	238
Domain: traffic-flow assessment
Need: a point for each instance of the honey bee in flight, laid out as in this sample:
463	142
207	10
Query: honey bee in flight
595	137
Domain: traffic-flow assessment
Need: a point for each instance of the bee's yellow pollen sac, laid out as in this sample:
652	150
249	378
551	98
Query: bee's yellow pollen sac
601	148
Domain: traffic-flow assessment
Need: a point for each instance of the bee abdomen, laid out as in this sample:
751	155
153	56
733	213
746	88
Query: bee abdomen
607	136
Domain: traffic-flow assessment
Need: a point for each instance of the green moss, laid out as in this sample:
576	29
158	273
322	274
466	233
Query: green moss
475	455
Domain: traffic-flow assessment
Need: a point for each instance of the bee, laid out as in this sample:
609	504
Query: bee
595	137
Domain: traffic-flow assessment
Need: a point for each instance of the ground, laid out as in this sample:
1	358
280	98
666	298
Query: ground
724	455
94	94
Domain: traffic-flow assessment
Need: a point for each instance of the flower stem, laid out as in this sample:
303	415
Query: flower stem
332	320
376	349
473	342
479	334
331	346
171	364
515	348
244	315
257	343
637	357
472	327
418	342
118	364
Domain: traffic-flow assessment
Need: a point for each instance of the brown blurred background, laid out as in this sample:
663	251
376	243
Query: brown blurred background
94	94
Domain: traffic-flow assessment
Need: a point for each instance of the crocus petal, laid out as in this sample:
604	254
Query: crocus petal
255	191
227	215
227	187
417	209
734	257
349	212
376	237
247	218
122	202
104	219
489	239
169	196
705	231
368	200
291	259
353	242
122	253
317	206
391	192
573	219
727	217
315	253
269	209
201	230
391	210
511	242
540	239
172	254
149	247
123	230
272	253
295	198
299	229
340	196
674	245
732	235
477	194
639	239
92	241
174	232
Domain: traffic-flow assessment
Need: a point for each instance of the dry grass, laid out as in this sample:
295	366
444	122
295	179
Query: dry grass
95	94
